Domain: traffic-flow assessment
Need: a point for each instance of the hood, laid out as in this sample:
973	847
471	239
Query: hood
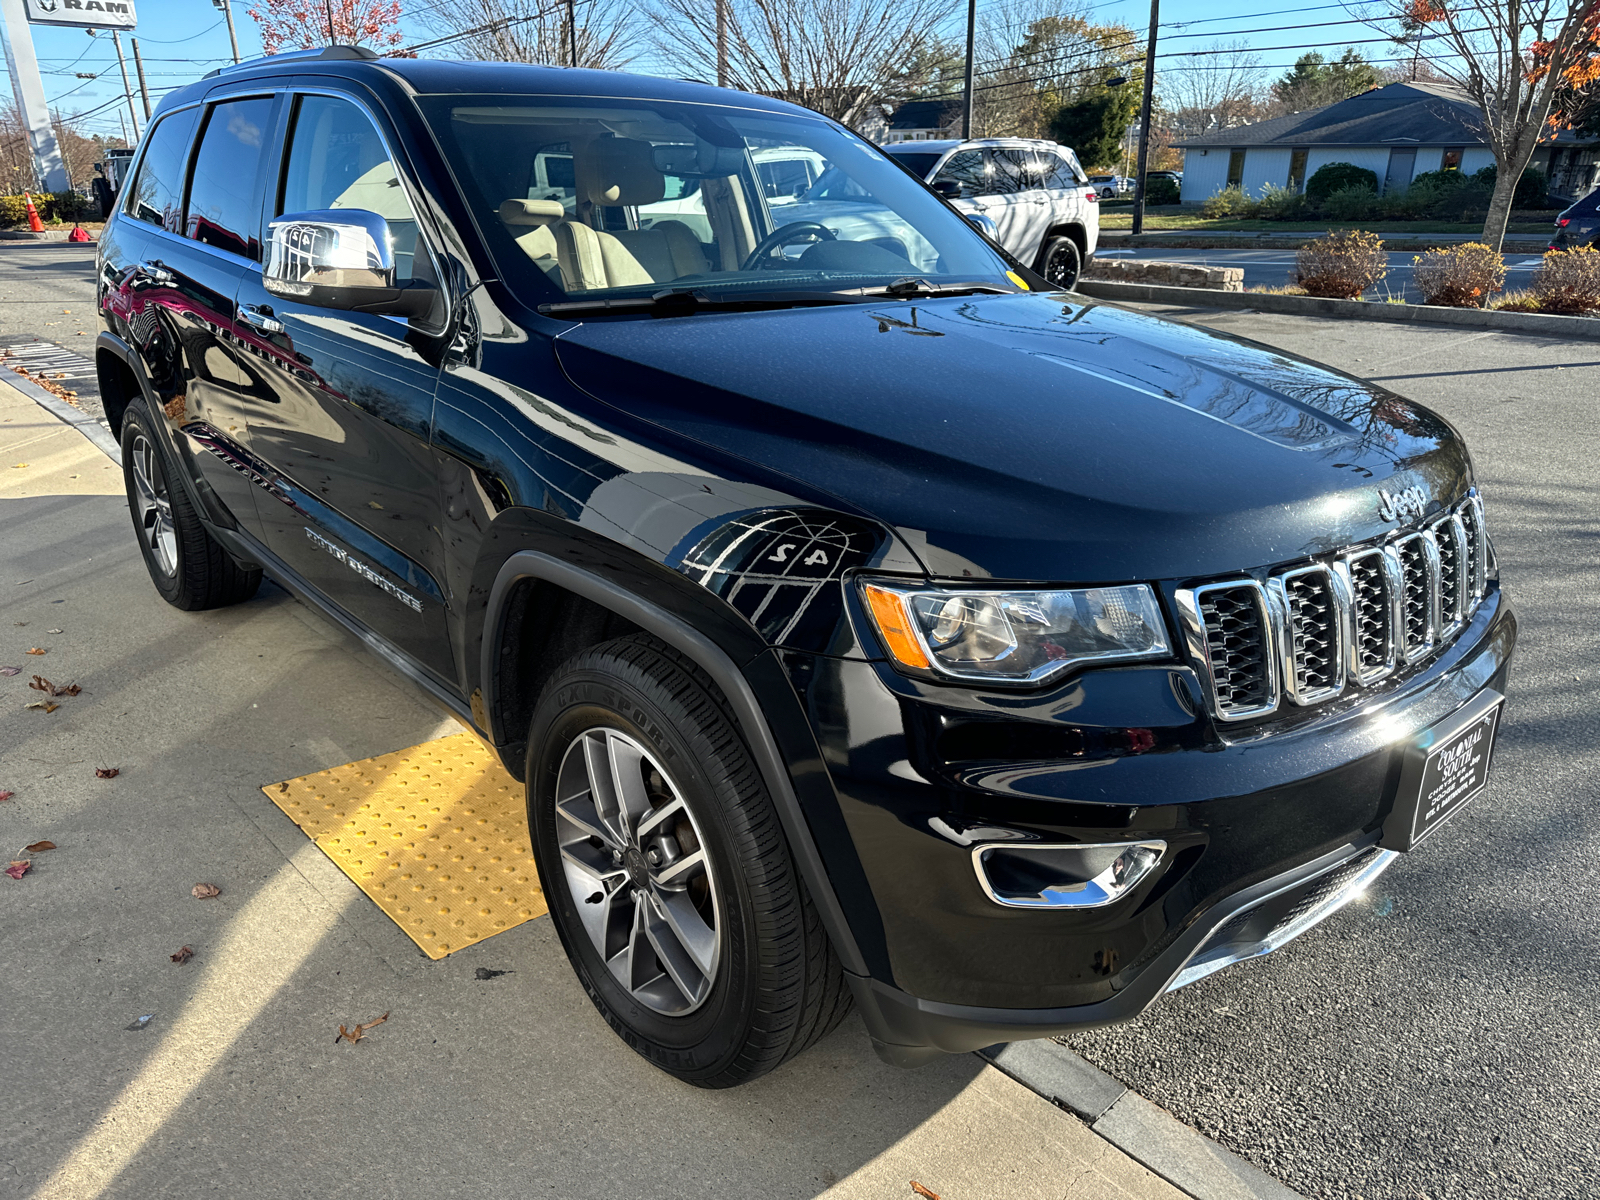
1023	438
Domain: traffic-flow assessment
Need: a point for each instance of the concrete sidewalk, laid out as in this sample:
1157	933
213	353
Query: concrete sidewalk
511	1086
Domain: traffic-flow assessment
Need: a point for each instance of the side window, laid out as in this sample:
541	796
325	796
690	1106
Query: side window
157	194
1015	170
967	169
1061	172
337	160
224	200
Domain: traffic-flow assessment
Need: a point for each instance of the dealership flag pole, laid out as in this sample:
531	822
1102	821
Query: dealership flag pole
29	90
127	88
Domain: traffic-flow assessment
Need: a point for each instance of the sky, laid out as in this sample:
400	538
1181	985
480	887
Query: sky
180	40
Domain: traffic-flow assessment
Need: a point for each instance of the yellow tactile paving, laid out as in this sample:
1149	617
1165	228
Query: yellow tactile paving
437	835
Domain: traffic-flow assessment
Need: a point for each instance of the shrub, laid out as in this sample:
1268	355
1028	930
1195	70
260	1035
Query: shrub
1161	190
1568	281
1341	265
1331	177
1281	203
1230	202
63	206
1460	276
1532	189
1351	204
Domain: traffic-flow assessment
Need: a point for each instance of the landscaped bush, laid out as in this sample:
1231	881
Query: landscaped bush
62	206
1532	189
1161	190
1228	204
1341	265
1460	276
1358	203
1331	177
1281	204
1568	281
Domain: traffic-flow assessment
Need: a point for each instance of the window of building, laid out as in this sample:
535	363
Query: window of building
337	160
1236	168
224	201
1402	163
1297	169
157	195
1452	159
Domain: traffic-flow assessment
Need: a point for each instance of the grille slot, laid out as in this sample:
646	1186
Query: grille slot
1314	663
1451	537
1371	618
1476	554
1416	597
1233	617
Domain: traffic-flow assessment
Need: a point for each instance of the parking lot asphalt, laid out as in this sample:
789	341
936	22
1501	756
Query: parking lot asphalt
1438	1039
237	1085
1274	268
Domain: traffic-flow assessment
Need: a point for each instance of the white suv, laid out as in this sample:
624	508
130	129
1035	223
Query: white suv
1043	207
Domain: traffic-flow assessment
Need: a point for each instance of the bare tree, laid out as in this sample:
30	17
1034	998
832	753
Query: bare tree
1514	59
536	31
1217	89
1033	56
839	57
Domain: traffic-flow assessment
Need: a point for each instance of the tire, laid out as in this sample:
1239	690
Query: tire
767	984
1060	261
189	567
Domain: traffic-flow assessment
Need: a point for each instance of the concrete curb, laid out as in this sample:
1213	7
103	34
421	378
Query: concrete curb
1153	1137
1223	240
1565	328
26	235
64	412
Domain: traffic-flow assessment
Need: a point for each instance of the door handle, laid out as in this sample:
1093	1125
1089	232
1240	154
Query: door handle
260	318
156	271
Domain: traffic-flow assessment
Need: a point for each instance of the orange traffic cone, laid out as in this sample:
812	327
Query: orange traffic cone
33	215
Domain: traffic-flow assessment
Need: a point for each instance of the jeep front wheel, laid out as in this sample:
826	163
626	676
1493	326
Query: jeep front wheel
1060	261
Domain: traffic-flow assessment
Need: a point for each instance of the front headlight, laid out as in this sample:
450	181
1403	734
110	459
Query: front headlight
1014	637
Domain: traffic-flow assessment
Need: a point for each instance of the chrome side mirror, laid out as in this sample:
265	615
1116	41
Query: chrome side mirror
340	258
984	224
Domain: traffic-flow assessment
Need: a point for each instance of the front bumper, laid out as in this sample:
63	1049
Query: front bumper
1267	831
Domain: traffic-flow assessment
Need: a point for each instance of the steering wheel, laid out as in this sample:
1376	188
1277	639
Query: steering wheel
784	235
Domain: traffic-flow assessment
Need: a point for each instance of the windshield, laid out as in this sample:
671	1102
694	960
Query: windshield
585	198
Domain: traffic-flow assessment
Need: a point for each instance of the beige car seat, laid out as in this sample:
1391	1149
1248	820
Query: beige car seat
621	172
532	223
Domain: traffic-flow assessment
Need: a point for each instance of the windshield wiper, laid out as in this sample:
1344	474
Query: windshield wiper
913	286
680	302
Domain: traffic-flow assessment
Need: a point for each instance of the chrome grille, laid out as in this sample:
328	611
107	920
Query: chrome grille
1236	648
1310	631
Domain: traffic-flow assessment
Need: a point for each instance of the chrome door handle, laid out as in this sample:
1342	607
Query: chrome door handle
260	318
156	271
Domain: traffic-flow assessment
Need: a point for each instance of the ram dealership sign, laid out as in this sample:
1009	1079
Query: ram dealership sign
85	14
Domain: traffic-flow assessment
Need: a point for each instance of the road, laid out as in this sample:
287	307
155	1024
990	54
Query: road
1272	268
1438	1039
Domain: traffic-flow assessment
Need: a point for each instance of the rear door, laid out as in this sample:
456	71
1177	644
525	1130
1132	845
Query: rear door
1026	213
349	406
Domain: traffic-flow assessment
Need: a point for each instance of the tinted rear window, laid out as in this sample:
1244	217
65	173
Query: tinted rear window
918	164
157	195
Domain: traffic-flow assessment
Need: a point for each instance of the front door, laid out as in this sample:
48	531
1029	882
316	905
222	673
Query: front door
1401	164
346	430
1025	214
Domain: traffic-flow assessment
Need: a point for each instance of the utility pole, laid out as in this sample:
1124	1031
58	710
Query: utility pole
572	33
29	89
227	10
966	93
138	65
124	122
127	88
722	43
1144	118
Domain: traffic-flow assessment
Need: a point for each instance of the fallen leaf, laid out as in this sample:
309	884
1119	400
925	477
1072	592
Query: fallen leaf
19	466
36	650
182	956
141	1022
10	670
4	795
41	684
359	1032
48	705
283	787
18	868
107	772
55	631
486	973
38	847
205	891
922	1191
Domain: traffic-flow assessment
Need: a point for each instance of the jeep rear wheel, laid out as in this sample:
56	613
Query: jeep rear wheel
667	873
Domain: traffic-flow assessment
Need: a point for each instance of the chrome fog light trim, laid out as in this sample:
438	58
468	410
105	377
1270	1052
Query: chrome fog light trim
1071	875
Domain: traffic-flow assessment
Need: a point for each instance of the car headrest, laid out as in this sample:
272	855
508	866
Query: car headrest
619	171
531	212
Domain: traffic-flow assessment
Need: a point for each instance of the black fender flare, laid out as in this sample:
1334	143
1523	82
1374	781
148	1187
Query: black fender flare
741	697
111	344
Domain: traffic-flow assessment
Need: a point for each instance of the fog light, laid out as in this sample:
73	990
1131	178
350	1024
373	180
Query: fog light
1070	876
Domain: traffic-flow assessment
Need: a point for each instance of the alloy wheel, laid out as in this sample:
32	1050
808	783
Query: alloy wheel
1061	268
154	506
638	871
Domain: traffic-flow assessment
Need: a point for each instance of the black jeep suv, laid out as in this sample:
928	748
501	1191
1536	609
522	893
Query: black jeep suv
868	620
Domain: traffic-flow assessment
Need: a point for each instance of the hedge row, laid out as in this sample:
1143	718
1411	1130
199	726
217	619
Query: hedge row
61	206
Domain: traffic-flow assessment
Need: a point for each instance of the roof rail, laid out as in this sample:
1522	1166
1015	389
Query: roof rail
325	53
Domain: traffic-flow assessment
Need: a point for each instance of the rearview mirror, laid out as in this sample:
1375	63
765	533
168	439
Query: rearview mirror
340	258
702	160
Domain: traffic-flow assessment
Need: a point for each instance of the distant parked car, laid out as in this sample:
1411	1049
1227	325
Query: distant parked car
1578	225
1111	186
1038	197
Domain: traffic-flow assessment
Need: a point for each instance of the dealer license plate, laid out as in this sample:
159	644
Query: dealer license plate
1446	768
